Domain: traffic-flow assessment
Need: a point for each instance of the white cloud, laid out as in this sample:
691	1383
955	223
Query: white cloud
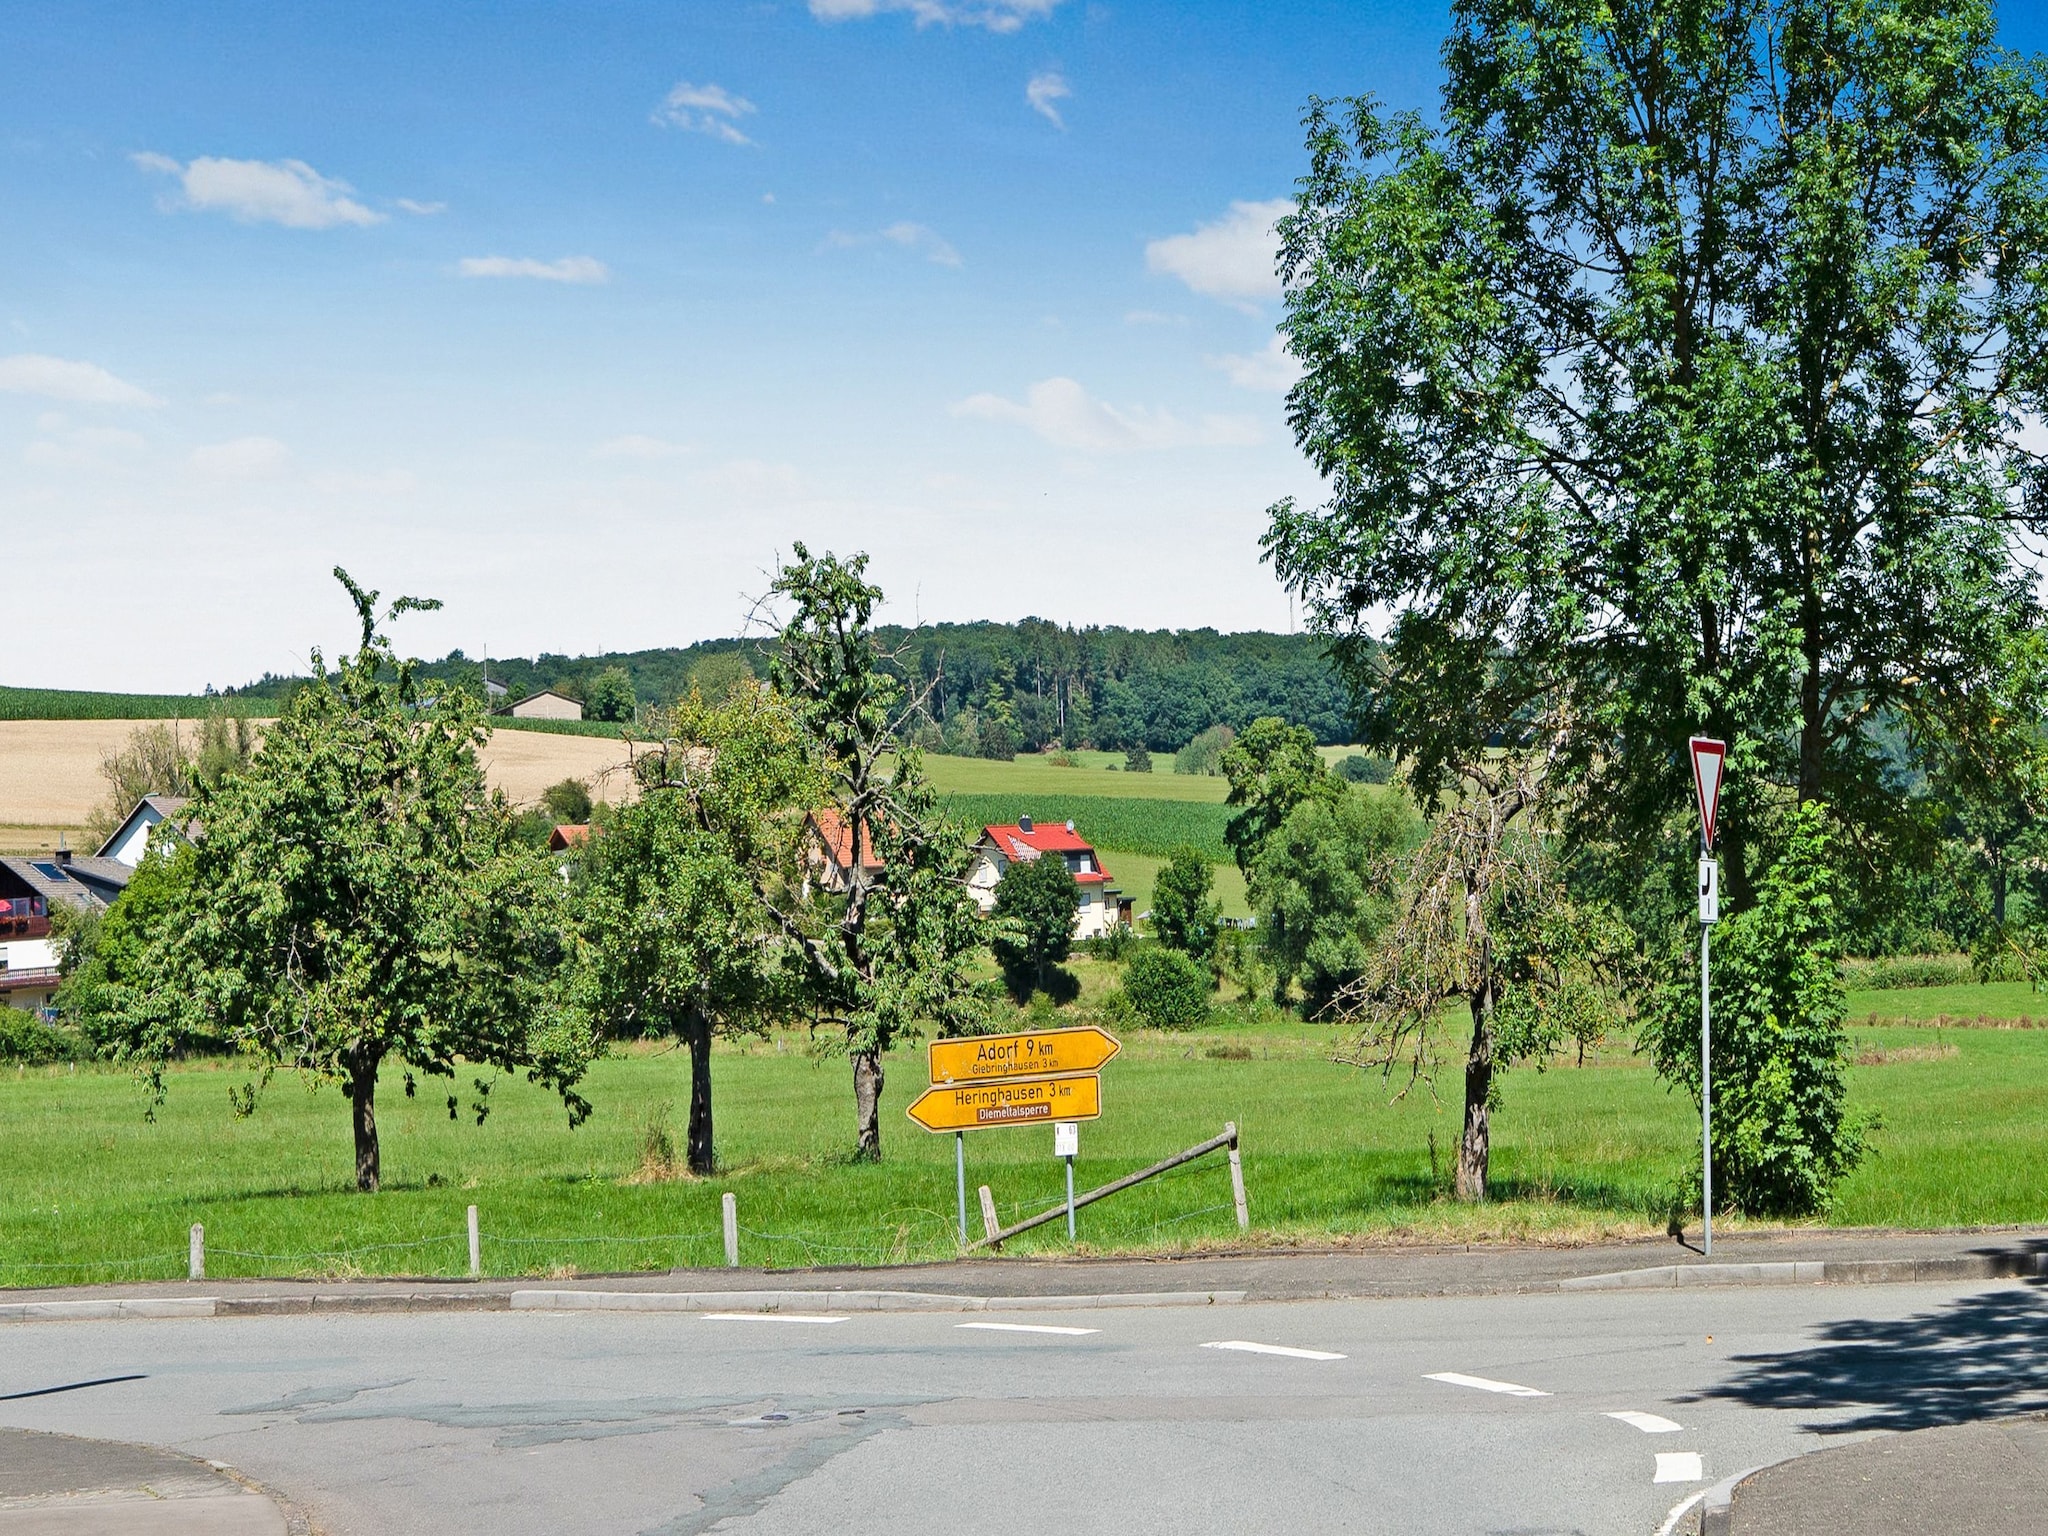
64	446
1067	416
60	378
241	458
422	209
753	481
1273	369
634	445
569	269
1231	259
287	192
996	15
708	109
1045	89
927	242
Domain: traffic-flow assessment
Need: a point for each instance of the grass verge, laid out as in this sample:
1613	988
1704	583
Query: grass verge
94	1192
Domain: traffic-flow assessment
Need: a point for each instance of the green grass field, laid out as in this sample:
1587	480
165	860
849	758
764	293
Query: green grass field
1036	775
93	1192
70	704
2007	1000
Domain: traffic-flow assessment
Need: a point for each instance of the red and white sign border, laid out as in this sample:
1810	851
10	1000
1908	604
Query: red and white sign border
1710	805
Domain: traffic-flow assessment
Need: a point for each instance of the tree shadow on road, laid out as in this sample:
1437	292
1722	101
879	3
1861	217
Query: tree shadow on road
1976	1357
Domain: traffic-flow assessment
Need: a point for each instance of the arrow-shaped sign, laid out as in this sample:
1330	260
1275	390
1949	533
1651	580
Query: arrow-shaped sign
1019	1101
1034	1053
1708	758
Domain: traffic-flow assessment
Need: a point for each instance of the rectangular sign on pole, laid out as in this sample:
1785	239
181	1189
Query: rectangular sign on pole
1709	757
1034	1053
1019	1101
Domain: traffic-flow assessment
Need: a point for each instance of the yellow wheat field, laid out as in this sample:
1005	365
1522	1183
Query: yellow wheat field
50	769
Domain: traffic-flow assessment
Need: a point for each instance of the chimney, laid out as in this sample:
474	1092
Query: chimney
1023	823
63	853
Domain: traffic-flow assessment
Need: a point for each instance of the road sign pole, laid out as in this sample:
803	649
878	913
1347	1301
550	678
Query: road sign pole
1706	1104
960	1172
1070	1199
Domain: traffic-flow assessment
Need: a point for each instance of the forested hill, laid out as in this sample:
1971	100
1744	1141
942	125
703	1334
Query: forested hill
1023	685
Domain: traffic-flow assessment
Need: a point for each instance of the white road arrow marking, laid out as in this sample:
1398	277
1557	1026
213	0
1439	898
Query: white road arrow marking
1026	1328
1648	1423
1273	1349
1458	1379
1679	1467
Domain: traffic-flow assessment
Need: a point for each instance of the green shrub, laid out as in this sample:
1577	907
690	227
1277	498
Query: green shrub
1360	769
26	1038
1783	1136
1890	971
1167	989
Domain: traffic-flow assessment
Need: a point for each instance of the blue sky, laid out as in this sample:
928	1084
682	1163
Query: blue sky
575	315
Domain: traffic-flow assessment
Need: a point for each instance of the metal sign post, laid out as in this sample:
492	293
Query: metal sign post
1709	757
1066	1143
960	1172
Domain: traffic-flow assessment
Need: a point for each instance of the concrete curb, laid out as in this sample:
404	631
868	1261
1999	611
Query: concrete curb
1991	1266
594	1301
847	1301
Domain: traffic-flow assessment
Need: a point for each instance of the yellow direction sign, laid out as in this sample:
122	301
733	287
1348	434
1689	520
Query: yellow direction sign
1035	1053
1017	1101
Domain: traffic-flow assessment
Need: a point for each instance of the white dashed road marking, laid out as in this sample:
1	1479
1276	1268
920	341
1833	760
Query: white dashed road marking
1458	1379
1027	1328
1679	1467
1273	1349
1648	1423
770	1317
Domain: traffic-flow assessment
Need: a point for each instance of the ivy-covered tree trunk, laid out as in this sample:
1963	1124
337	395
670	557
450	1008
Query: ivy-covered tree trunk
362	1094
867	1106
698	1032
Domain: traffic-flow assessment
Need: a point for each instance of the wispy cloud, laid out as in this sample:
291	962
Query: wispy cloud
424	210
241	458
637	446
705	108
567	269
927	242
996	15
62	378
1232	259
64	445
1272	369
287	192
1067	416
1152	317
1043	90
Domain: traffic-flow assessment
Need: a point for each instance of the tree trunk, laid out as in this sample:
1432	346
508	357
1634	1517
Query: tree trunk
362	1092
698	1029
1474	1146
867	1106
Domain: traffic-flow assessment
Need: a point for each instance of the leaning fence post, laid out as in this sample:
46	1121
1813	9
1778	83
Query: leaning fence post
476	1247
198	1266
731	1204
988	1214
1244	1215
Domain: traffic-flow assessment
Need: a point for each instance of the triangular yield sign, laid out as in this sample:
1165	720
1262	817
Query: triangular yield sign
1708	758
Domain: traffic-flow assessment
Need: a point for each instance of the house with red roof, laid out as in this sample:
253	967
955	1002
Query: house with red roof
829	854
1101	907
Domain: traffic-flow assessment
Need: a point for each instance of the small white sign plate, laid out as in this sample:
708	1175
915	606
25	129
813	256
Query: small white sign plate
1066	1139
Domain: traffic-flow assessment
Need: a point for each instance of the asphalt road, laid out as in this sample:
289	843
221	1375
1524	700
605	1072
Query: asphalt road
1398	1419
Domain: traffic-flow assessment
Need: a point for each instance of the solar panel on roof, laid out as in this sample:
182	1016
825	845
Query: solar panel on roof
48	871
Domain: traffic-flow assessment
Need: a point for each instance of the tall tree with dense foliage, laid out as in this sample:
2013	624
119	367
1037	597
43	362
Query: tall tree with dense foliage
1321	883
611	696
1185	916
1036	903
356	897
1674	381
1688	354
1273	767
887	956
674	941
